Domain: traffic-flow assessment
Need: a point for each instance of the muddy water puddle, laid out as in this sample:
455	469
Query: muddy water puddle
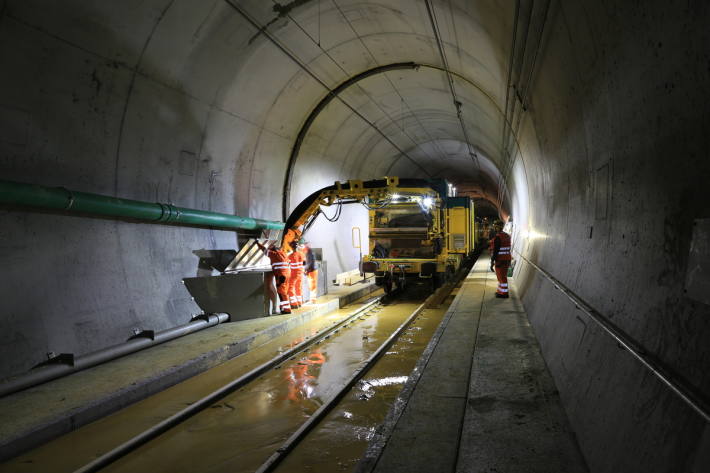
338	443
79	447
242	430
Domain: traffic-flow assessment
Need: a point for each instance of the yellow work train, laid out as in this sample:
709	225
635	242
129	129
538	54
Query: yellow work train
418	230
423	233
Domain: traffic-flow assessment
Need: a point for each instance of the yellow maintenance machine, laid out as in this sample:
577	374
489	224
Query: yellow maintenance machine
417	229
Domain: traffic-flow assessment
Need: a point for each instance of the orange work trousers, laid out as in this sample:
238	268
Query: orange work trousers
295	288
282	283
313	285
502	275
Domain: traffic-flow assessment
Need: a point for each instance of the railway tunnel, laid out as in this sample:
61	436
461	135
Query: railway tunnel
581	124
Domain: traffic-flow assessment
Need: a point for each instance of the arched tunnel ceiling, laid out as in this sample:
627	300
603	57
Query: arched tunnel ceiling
258	98
187	102
413	109
411	114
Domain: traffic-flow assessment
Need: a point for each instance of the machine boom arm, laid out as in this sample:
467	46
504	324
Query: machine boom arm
353	191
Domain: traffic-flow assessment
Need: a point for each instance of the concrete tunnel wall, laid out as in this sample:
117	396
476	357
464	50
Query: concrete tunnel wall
182	101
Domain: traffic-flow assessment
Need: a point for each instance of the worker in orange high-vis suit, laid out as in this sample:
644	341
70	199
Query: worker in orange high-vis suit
311	272
501	248
281	267
295	282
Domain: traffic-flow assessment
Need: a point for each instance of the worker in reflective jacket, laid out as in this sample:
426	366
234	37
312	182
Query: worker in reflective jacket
295	282
501	248
281	267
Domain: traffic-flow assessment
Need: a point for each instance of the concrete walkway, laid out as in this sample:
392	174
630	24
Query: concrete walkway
481	398
41	413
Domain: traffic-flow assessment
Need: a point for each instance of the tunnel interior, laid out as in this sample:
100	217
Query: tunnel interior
584	124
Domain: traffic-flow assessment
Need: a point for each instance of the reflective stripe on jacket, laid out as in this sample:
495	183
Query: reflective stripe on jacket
296	261
279	261
503	244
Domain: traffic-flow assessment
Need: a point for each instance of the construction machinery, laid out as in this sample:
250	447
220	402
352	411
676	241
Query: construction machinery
418	229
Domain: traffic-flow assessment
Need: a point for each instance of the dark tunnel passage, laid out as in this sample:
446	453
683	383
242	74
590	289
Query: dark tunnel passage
582	123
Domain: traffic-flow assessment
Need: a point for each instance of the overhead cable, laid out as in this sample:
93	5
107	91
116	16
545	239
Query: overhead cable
513	131
362	90
394	88
457	103
263	30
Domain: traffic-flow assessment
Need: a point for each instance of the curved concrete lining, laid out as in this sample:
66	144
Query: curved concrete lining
604	173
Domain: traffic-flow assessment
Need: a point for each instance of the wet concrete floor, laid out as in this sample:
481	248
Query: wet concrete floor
79	447
338	443
243	429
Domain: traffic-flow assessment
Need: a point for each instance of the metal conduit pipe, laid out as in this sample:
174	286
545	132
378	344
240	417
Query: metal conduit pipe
62	199
143	340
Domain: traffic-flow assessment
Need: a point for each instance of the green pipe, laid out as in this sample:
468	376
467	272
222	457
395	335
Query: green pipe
59	198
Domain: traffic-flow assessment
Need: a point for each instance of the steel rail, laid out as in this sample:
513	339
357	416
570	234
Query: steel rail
163	426
679	387
288	446
377	443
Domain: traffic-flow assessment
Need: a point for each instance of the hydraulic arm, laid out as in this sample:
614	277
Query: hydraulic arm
373	194
418	229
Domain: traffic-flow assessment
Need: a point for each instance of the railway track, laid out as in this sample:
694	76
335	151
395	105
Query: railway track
210	399
278	456
264	442
372	307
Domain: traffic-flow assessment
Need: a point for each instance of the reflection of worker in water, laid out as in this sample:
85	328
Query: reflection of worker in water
300	377
311	271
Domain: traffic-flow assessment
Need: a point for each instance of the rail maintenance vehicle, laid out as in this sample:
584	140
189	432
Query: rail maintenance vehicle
418	230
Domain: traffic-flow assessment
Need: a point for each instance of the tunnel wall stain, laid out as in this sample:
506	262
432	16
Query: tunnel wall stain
612	171
621	137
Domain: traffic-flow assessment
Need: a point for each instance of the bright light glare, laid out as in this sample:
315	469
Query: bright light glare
395	196
427	202
533	235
